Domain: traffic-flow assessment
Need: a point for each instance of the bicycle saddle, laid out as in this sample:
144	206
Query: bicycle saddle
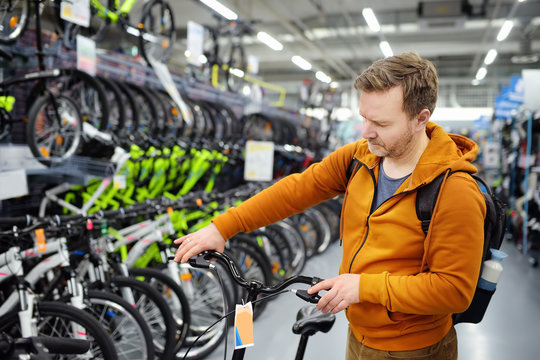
309	320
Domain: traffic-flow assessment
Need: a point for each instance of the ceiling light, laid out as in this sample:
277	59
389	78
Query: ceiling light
481	73
323	77
187	53
371	20
505	30
334	85
385	48
490	56
220	9
521	0
524	59
269	41
301	62
475	82
203	59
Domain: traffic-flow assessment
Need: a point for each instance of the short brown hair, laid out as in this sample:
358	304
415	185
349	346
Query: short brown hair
416	75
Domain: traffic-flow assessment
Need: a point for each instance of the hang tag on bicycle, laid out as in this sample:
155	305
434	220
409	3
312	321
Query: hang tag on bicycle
119	182
76	11
41	242
243	326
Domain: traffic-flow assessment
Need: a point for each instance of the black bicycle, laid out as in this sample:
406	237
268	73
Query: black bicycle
309	321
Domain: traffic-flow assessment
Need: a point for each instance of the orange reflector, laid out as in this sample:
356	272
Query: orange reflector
198	202
140	26
175	111
227	151
185	277
59	140
165	44
249	261
275	267
169	210
268	126
304	227
13	21
44	152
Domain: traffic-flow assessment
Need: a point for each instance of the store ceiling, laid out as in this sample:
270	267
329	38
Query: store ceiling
333	36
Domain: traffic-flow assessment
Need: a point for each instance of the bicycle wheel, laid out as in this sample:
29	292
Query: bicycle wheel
289	233
155	311
237	66
208	302
117	108
157	31
173	295
59	320
54	128
13	19
126	327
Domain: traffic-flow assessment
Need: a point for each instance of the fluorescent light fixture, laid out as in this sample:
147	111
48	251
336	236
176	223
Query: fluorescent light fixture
521	0
334	84
323	77
220	9
505	30
371	20
269	41
203	59
301	62
385	48
490	56
475	82
236	72
246	90
187	53
481	73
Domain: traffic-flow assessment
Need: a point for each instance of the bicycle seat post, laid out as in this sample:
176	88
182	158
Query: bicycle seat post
39	40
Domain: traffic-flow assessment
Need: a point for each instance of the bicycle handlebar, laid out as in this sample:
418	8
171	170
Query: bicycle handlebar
202	261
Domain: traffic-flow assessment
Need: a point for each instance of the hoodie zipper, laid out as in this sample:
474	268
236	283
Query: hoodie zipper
367	220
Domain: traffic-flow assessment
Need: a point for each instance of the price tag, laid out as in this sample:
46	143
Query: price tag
119	182
76	11
243	326
40	240
86	55
259	163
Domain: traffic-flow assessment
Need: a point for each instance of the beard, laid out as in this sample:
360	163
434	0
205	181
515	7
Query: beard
394	150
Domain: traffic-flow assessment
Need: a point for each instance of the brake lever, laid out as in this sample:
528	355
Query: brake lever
303	294
198	261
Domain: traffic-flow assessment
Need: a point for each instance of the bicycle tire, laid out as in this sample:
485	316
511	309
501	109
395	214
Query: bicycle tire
168	288
131	121
44	138
128	330
237	60
149	302
296	242
117	109
7	18
146	108
309	228
161	10
102	346
324	229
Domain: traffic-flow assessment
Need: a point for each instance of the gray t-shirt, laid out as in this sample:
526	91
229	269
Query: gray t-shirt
386	187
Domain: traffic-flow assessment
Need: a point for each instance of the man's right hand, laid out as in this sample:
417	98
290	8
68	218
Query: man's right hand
207	238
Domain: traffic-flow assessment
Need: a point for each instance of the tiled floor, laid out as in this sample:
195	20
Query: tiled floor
510	330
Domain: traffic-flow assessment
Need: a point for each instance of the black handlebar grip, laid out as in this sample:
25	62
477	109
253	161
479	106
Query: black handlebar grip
64	345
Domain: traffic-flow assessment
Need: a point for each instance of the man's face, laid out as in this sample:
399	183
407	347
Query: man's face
385	126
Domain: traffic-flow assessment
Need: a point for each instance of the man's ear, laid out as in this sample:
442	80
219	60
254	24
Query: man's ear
422	119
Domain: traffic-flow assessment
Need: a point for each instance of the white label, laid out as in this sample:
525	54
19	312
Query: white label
259	164
86	55
195	39
76	11
13	184
252	64
119	181
531	84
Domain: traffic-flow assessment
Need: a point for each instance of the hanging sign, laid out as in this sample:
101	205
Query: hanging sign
243	326
86	55
195	39
76	11
259	162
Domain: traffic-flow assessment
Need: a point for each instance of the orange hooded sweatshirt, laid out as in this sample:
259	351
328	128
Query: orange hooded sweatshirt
410	284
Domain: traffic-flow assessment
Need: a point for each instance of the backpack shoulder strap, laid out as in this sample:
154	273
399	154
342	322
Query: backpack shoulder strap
351	169
425	201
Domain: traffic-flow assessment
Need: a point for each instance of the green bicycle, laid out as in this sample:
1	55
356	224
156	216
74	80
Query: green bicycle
155	29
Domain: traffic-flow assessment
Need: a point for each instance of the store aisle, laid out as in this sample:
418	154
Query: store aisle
509	330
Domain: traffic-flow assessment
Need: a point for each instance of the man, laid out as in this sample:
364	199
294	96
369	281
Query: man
397	286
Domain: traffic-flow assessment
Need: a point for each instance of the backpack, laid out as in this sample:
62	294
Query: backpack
494	229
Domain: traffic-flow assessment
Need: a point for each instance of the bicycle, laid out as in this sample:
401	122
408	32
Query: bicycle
309	321
155	29
54	119
40	347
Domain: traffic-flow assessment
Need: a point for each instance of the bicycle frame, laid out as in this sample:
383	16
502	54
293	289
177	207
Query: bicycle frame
114	14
